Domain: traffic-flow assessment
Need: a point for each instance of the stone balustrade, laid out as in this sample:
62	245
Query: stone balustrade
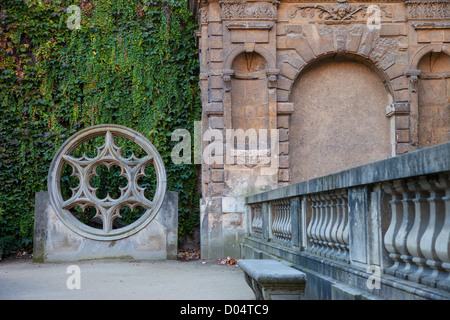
257	223
419	231
328	227
392	215
280	226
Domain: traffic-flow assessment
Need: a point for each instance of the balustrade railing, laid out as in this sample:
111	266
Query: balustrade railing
256	225
328	230
418	237
394	214
281	220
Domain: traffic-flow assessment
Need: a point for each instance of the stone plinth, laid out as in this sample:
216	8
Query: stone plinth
55	242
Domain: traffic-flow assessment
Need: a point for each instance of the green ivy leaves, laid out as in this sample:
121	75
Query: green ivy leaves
132	62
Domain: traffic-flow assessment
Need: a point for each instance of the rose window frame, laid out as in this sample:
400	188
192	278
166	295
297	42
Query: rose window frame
84	195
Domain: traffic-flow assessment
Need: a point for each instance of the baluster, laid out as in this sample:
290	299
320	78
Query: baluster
311	223
253	218
314	229
259	219
394	226
336	220
280	220
285	221
275	220
326	240
256	227
287	206
277	217
323	223
331	226
340	229
420	223
404	230
428	241
443	239
346	235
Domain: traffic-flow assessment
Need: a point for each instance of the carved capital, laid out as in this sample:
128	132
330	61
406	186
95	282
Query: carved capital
272	76
227	79
413	75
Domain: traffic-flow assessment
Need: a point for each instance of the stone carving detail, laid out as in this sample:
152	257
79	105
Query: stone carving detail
84	195
203	15
248	10
427	9
281	221
328	230
339	12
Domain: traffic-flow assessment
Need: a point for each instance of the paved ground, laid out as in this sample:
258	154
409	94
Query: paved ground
112	279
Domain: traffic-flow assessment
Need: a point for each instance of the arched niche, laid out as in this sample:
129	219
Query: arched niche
249	94
339	119
433	99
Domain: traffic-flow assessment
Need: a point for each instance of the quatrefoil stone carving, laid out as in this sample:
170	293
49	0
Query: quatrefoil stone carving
84	195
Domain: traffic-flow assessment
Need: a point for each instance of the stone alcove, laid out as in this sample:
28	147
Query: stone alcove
249	99
339	119
434	99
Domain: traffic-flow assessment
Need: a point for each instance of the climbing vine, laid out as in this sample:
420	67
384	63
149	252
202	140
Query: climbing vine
130	62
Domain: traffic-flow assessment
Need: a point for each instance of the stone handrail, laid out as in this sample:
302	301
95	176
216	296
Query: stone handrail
393	214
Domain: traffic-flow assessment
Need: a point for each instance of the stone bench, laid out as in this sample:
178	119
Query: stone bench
273	280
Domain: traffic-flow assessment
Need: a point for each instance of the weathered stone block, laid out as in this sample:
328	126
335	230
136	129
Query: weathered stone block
217	175
402	136
283	148
283	175
283	135
216	189
55	242
216	122
283	122
283	162
402	122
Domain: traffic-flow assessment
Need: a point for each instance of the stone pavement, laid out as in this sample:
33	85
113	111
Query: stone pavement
21	279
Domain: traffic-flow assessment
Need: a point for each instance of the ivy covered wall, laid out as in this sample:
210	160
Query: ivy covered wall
130	62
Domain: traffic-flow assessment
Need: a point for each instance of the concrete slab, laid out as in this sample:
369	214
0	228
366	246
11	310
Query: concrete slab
21	279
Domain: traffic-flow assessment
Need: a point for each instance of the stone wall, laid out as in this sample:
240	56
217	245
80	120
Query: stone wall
341	90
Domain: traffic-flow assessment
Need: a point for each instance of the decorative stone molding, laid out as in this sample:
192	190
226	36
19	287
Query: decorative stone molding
427	9
272	76
341	11
227	79
84	195
203	16
413	75
248	10
397	108
246	26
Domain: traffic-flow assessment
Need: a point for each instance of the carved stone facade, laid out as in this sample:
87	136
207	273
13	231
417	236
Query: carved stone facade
345	83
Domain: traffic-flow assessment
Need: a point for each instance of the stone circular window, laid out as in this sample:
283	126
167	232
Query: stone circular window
85	195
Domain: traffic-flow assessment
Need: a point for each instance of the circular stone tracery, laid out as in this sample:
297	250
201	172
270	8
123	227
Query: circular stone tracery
84	195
